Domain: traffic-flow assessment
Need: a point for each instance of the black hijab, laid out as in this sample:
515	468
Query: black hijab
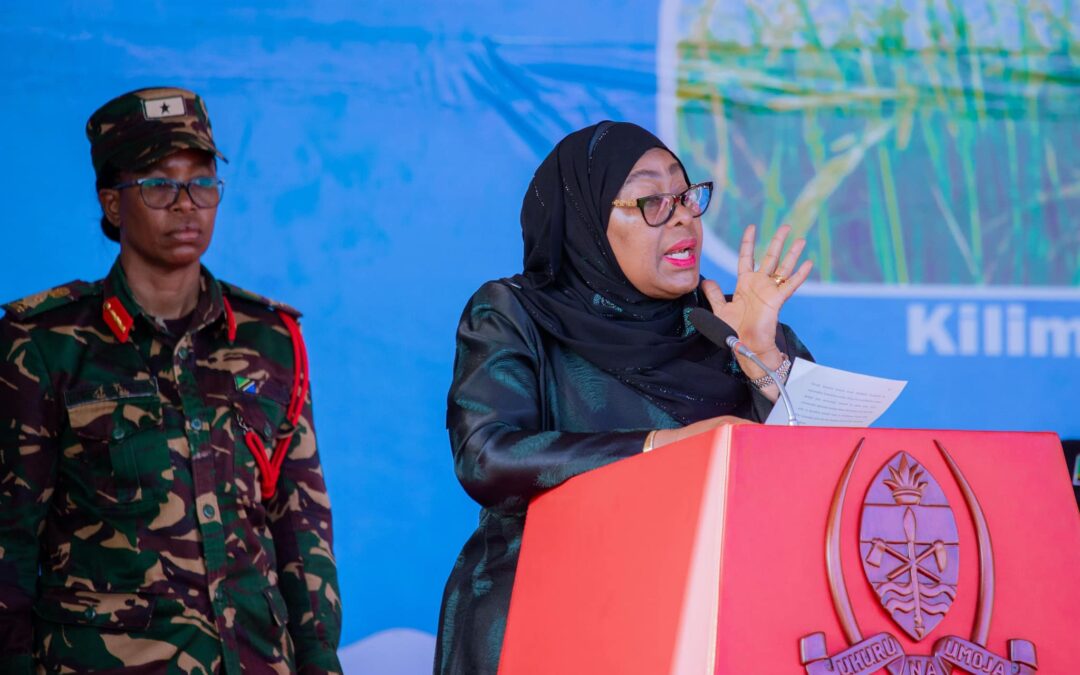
573	287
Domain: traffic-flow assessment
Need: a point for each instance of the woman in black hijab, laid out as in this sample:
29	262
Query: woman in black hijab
587	356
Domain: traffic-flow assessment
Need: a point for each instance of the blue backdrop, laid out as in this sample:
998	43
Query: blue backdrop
378	153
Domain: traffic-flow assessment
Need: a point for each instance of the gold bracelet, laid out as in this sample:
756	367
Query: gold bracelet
649	441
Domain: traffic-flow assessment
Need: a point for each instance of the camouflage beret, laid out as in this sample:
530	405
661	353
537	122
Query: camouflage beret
138	128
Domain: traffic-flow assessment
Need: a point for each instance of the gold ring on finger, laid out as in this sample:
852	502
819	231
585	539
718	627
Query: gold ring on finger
778	279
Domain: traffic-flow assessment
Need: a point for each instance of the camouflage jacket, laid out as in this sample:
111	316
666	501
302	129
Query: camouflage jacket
134	535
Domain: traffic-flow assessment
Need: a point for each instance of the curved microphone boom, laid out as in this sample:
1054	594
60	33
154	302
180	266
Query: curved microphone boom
719	333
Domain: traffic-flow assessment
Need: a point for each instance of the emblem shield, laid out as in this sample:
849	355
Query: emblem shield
909	545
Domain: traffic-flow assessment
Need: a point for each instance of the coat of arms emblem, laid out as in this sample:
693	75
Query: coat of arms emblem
910	552
910	548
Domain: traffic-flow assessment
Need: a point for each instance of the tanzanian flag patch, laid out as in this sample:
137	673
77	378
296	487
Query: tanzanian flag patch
246	384
1076	470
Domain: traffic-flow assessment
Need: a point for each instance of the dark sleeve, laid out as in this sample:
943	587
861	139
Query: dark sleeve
28	464
789	344
503	454
304	540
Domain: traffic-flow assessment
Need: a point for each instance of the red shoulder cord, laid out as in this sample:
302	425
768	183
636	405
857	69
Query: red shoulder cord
270	464
230	320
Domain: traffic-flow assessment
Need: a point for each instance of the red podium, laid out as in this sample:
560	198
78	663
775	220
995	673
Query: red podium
758	550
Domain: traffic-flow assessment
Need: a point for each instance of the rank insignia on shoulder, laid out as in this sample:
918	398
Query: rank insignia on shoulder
246	385
44	301
241	294
36	299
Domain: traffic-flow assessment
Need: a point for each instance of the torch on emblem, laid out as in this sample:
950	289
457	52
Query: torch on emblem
910	548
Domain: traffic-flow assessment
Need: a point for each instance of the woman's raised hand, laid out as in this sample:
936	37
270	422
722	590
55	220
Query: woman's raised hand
753	312
754	308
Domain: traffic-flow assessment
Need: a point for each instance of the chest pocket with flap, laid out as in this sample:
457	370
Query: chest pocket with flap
119	425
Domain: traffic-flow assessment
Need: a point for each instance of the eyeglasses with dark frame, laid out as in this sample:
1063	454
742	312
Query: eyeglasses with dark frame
161	193
657	209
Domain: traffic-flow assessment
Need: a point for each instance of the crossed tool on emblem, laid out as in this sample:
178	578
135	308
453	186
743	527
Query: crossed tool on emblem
912	562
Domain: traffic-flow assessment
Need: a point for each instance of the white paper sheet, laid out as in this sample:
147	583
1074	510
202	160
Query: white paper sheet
829	397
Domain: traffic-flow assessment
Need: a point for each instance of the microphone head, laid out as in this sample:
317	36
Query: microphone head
714	330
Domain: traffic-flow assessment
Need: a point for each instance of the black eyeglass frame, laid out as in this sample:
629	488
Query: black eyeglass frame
176	185
679	198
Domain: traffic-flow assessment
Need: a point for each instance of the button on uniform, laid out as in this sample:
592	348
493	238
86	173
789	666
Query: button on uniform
208	511
196	424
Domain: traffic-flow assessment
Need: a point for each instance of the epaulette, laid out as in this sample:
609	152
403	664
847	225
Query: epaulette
38	303
240	294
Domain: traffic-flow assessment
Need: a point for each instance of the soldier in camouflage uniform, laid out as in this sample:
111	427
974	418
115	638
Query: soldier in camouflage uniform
162	505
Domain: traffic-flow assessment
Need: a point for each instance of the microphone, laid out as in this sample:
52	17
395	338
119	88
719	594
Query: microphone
719	333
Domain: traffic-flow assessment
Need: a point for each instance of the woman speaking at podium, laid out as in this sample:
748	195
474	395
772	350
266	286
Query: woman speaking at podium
588	355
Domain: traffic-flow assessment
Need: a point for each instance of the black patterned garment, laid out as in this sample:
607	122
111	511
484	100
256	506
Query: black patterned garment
524	415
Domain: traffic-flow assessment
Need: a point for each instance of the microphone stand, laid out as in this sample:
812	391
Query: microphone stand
737	346
719	333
